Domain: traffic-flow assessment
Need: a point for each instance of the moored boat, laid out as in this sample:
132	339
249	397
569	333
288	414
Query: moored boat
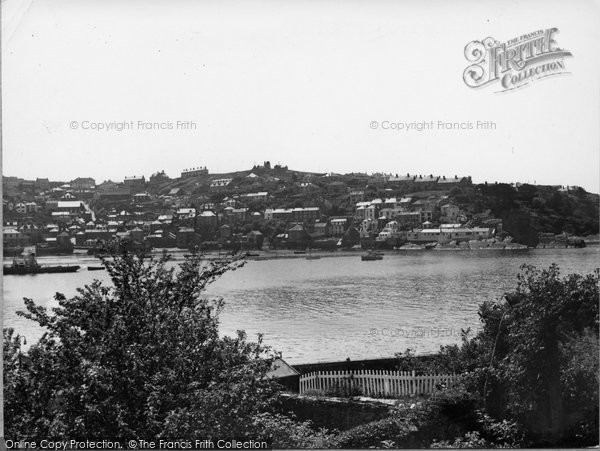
372	255
95	268
27	264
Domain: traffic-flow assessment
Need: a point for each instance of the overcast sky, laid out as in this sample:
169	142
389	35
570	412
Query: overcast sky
294	82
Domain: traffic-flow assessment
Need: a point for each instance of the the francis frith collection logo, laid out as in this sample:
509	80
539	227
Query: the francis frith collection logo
515	63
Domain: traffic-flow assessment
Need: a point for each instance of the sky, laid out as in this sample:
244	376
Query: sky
305	84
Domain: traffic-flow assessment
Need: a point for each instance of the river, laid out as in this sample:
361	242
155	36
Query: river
334	308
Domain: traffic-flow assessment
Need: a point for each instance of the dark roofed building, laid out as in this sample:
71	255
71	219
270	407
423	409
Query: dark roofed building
83	183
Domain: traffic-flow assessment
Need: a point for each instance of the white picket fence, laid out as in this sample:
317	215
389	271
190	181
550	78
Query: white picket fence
375	383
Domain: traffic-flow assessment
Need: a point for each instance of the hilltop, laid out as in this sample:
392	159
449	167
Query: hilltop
294	209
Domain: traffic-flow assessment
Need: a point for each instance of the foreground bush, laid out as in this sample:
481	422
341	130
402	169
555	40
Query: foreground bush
139	359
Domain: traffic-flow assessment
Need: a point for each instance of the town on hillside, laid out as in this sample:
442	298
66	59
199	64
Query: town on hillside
273	207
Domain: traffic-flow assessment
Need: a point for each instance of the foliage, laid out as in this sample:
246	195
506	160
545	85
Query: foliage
470	440
535	362
284	432
385	433
139	359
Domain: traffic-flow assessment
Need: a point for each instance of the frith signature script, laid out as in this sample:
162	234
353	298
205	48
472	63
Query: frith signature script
514	63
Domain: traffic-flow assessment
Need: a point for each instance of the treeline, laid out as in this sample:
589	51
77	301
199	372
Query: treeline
528	210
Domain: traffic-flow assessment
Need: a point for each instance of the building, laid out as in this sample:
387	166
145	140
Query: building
449	213
70	207
426	215
83	183
207	218
107	185
135	183
11	238
453	181
445	235
305	214
220	183
409	219
338	226
239	214
391	231
194	172
185	237
401	179
356	196
254	239
42	184
26	207
185	213
256	197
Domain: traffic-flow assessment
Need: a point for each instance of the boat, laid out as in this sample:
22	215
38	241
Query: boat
372	255
95	268
27	264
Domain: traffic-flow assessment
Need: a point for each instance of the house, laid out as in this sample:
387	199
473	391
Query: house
254	239
356	196
427	179
298	235
449	212
409	219
114	195
185	213
11	237
445	235
107	185
401	179
185	237
320	230
453	181
239	214
338	226
141	197
69	207
26	207
42	184
220	183
426	215
207	218
256	197
135	183
83	183
31	231
285	375
305	214
391	231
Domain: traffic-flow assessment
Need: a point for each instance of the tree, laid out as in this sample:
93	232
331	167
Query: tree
139	359
535	361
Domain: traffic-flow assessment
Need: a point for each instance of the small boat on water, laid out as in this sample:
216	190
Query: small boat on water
372	255
27	264
95	268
